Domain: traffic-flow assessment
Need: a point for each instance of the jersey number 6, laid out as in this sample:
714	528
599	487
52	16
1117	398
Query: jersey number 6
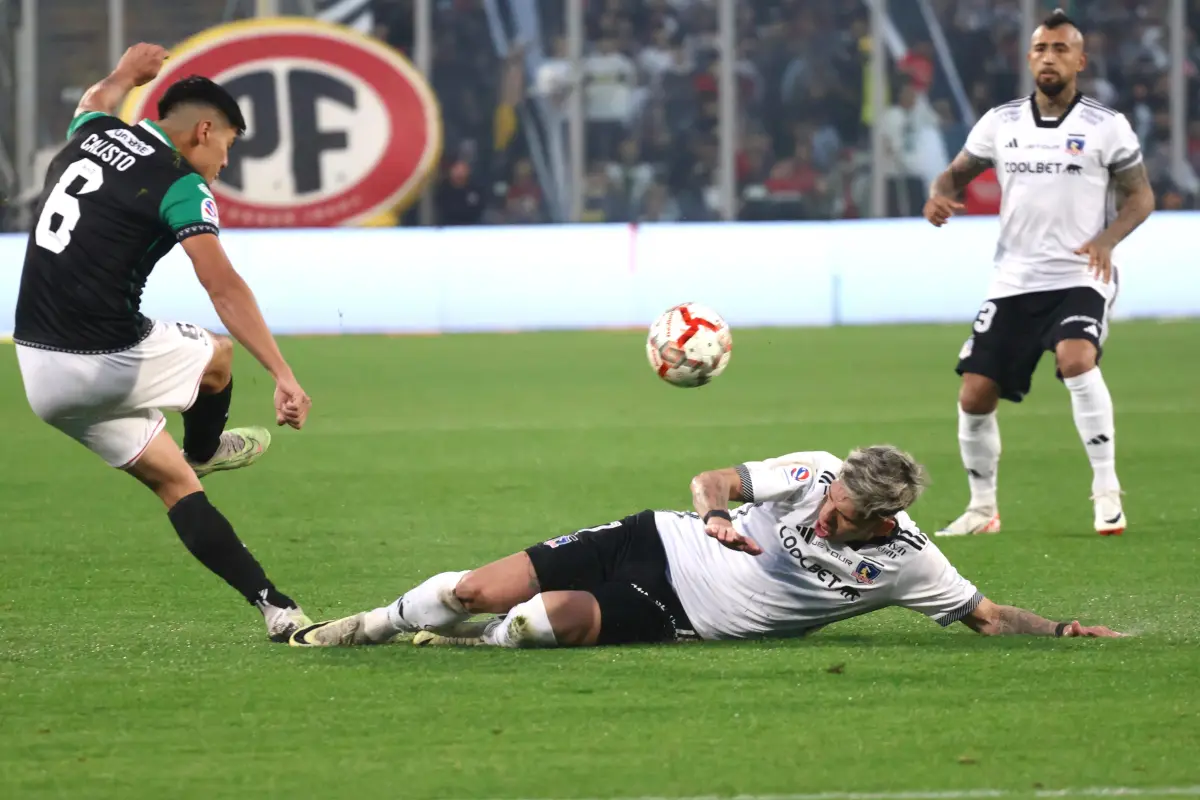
66	207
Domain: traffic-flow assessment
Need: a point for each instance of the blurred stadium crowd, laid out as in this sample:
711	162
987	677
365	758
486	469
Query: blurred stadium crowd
804	113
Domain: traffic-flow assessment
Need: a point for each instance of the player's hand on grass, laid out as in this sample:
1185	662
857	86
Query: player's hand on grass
1099	255
939	209
723	531
291	403
1090	631
142	62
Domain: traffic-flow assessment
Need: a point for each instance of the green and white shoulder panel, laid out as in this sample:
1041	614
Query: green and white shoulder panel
189	208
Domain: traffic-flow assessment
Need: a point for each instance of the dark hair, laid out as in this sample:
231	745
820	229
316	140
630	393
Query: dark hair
1057	19
201	91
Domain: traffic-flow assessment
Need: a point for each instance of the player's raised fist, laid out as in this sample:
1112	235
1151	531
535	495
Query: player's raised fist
142	62
292	403
939	209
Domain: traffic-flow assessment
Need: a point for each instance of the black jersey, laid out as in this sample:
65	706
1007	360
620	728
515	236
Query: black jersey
116	200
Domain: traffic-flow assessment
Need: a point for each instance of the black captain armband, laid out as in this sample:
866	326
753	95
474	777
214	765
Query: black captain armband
718	512
1059	628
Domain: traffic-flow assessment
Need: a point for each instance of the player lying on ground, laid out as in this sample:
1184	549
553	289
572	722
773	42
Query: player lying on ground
1060	158
816	541
116	200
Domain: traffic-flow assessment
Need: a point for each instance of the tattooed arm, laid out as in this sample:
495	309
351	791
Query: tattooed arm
947	187
1135	201
990	619
712	492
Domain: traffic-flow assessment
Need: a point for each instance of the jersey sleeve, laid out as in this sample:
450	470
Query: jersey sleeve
189	208
785	478
930	584
981	141
1124	150
83	119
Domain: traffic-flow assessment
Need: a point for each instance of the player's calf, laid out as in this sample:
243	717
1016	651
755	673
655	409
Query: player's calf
205	420
209	536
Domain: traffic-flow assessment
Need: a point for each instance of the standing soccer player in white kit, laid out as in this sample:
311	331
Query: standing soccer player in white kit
1074	186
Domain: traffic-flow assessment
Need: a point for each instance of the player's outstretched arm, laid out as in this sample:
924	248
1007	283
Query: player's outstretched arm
239	312
946	189
140	64
991	619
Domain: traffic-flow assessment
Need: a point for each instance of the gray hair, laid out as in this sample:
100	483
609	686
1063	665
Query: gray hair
882	480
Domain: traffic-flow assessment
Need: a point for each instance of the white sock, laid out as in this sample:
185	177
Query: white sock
979	443
430	606
1093	408
527	625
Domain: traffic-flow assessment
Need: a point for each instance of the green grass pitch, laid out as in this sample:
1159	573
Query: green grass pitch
128	671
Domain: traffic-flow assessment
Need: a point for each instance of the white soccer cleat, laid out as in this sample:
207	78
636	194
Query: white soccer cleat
239	447
283	622
345	632
1110	517
973	521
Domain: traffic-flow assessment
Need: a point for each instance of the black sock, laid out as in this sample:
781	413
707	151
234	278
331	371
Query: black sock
203	423
211	539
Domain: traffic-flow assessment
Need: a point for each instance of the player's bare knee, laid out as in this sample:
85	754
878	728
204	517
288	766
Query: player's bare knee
220	367
574	618
1075	357
497	587
478	594
163	470
978	395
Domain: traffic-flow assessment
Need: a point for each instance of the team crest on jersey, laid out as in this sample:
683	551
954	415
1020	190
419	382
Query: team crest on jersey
1075	145
866	572
799	474
208	211
561	540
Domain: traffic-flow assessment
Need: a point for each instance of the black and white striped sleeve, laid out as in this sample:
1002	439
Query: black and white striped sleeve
1123	151
786	478
927	582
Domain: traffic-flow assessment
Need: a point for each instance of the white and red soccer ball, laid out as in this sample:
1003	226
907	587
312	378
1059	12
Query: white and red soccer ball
689	345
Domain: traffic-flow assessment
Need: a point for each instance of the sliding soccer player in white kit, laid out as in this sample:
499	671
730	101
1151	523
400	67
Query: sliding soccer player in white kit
817	540
1073	187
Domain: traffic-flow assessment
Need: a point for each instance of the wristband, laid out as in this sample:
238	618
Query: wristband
1059	628
717	512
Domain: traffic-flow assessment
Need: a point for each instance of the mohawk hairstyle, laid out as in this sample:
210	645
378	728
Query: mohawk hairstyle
196	89
1057	19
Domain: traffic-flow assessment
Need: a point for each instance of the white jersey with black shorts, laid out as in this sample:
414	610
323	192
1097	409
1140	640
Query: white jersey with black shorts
658	576
1057	194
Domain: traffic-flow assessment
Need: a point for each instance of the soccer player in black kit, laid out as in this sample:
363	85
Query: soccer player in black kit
116	200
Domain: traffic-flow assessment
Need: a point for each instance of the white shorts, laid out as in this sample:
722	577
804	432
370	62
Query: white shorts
112	403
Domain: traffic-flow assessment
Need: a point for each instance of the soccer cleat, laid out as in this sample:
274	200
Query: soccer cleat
283	622
345	632
973	521
240	447
1110	517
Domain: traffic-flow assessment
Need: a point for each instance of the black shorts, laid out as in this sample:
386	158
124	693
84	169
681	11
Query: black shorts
624	566
1011	333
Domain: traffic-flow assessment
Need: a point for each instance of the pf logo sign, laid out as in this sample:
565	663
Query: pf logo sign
340	127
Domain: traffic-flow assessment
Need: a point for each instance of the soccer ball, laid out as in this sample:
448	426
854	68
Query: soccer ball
689	345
